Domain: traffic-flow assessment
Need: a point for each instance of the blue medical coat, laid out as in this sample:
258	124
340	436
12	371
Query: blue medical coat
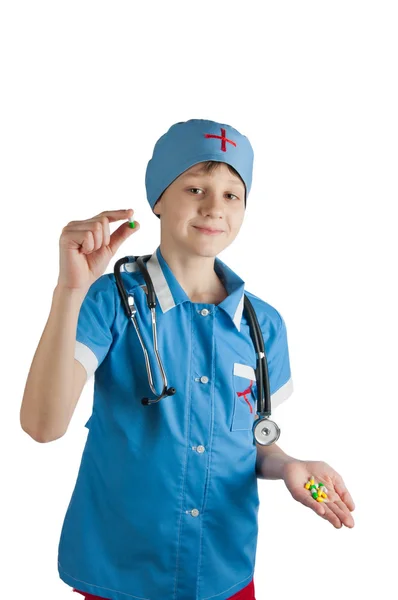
165	503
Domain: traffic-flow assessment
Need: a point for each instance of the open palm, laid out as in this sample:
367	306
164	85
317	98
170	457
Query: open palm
338	505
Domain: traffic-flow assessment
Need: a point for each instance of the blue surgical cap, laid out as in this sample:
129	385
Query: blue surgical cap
189	142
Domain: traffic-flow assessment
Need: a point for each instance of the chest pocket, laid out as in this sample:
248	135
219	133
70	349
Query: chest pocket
245	396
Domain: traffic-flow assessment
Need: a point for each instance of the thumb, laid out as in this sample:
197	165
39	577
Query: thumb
121	234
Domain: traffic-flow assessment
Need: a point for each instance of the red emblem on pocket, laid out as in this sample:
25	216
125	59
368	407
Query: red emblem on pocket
247	391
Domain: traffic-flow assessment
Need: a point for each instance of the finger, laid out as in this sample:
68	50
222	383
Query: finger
341	512
86	243
111	215
114	215
309	501
96	230
92	224
344	494
106	234
331	516
86	237
121	234
99	227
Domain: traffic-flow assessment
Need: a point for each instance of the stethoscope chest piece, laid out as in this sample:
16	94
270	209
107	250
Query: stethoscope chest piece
265	432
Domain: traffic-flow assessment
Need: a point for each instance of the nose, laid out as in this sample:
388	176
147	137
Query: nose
213	204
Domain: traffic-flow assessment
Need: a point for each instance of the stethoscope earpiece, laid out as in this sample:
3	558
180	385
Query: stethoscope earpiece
168	392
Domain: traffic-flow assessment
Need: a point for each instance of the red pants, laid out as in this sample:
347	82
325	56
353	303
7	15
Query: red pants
246	594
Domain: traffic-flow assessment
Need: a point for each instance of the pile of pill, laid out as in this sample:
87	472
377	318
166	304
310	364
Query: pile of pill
318	490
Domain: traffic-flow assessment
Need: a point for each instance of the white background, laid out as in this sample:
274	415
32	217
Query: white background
87	89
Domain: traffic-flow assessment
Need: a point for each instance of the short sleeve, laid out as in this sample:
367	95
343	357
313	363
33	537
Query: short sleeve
94	326
278	361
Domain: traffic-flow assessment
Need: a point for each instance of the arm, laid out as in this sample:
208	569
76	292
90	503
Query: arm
55	377
271	461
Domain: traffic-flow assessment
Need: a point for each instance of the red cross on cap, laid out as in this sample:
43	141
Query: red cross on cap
221	137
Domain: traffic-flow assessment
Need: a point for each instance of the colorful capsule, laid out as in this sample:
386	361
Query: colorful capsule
131	222
317	490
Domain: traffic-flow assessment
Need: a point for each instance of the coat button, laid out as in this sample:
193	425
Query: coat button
194	512
204	312
200	449
204	379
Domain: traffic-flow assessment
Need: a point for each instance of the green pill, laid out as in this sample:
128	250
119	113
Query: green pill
314	495
320	483
313	487
131	224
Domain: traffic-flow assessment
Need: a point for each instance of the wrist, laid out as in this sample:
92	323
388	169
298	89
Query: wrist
68	297
287	464
272	462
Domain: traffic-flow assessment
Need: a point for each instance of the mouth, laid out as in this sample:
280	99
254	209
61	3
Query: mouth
207	231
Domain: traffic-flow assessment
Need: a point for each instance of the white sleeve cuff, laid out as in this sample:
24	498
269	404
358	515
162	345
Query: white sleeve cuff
86	357
282	394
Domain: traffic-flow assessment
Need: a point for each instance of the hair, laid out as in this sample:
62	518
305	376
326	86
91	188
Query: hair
209	166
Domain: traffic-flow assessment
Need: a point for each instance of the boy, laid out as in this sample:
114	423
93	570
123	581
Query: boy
165	503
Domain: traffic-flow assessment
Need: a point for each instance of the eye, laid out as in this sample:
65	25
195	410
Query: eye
199	189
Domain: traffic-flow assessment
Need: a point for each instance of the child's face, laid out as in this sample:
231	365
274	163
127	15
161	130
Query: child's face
215	200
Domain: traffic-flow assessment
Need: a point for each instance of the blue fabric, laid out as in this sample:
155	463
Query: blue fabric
186	144
129	531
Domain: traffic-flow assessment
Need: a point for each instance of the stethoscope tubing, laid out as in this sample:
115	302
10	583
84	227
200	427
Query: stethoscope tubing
261	371
262	377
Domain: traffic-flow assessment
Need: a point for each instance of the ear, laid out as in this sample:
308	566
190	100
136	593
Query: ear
156	206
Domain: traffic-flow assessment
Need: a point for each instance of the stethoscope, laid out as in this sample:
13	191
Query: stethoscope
265	432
